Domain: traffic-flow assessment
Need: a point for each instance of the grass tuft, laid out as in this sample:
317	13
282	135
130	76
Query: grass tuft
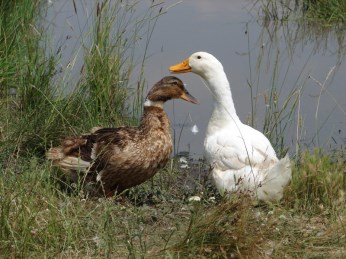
227	230
106	64
318	184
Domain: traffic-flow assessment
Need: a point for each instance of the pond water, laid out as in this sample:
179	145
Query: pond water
290	56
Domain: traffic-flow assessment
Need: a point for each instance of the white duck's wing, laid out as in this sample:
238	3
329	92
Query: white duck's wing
228	149
264	152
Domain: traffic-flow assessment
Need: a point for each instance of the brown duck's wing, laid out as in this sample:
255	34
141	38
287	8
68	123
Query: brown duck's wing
80	146
116	138
89	146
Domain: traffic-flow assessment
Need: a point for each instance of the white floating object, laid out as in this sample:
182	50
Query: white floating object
182	160
194	129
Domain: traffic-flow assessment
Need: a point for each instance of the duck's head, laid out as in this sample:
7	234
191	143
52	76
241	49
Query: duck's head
169	87
201	63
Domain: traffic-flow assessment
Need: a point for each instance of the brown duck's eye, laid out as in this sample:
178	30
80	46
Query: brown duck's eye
199	57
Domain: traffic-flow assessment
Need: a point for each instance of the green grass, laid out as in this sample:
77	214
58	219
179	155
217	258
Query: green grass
38	218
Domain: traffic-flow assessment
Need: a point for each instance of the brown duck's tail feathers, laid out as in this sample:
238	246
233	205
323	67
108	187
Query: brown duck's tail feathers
55	153
70	144
70	147
66	162
74	163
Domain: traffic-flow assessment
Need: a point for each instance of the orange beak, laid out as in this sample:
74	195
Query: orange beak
182	67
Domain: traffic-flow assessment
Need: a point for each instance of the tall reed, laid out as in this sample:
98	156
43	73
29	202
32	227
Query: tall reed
26	76
280	105
38	112
112	57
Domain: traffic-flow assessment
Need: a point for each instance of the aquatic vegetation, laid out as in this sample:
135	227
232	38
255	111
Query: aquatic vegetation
324	11
25	79
331	11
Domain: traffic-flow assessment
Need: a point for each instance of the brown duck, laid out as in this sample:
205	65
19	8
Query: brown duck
110	160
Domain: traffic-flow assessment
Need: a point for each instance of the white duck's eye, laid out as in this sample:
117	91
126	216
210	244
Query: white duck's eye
199	57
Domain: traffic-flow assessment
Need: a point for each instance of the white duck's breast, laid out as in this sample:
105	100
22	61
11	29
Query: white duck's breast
233	148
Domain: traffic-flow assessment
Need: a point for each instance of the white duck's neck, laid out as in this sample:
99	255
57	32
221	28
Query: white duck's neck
224	110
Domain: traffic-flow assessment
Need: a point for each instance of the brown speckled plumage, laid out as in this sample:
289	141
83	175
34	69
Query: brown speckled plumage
114	159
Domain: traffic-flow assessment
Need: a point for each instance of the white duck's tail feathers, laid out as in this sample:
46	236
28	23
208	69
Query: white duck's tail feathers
277	178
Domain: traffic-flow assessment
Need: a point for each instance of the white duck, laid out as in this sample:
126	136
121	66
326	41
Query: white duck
242	158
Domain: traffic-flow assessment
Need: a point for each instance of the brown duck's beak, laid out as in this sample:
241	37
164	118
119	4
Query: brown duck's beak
182	67
188	97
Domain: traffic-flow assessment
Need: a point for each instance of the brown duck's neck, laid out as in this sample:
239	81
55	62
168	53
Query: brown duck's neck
155	117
